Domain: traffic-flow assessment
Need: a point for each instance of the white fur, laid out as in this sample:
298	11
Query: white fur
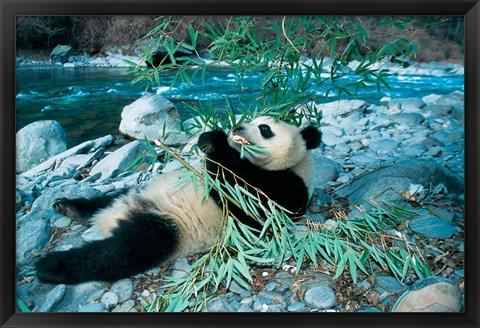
198	224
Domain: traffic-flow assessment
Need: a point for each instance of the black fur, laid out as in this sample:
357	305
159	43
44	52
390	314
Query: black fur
136	246
275	184
312	137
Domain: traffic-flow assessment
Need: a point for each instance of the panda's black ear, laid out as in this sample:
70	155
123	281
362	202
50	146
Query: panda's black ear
312	137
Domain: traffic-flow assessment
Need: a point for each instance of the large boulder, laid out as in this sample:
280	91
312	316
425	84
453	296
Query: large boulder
151	116
61	53
386	183
39	141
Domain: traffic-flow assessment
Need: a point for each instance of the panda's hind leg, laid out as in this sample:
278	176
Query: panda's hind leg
82	209
136	245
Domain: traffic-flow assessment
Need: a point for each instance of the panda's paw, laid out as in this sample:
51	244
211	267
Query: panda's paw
212	141
54	268
68	208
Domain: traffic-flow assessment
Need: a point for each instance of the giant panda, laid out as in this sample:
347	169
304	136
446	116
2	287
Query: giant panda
167	219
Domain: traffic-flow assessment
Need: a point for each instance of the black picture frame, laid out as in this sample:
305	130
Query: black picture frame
470	9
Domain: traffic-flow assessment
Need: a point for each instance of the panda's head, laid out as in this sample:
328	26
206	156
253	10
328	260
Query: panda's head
285	145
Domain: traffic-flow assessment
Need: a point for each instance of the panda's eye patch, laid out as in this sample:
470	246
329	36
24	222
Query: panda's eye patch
265	131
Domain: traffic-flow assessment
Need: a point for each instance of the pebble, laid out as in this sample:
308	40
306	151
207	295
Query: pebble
110	299
296	306
123	288
125	307
389	284
62	222
320	297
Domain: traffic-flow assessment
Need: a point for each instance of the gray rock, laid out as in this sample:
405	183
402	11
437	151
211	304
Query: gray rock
332	130
218	304
432	227
437	110
61	53
148	117
54	297
62	222
181	268
110	299
236	289
342	107
275	297
320	297
406	104
125	307
92	234
123	288
32	236
56	161
408	119
38	141
413	151
389	283
433	294
364	160
325	170
244	308
296	306
383	145
119	161
378	184
92	307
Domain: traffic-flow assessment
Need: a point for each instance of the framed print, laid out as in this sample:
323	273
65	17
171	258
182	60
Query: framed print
239	163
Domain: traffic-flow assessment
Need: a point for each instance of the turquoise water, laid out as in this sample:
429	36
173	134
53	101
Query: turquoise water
88	101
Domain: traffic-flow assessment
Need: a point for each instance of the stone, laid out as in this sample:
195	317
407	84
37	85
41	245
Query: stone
54	297
92	307
343	107
325	170
433	294
38	141
61	53
383	145
32	236
385	183
296	306
110	299
181	268
437	110
119	161
388	283
432	227
408	119
406	104
320	297
123	288
218	304
62	222
149	116
125	307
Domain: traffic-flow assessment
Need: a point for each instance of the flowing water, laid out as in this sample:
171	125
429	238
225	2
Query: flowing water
88	101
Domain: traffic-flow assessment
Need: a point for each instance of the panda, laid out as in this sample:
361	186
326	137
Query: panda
167	219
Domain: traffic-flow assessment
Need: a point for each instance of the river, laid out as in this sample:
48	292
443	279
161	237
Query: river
88	101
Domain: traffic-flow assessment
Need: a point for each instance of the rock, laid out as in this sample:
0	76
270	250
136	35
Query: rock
406	104
62	222
119	161
149	117
181	268
275	297
365	161
342	107
325	170
383	146
123	288
92	307
38	141
377	185
389	284
54	297
125	307
92	234
320	297
55	162
218	304
296	306
437	110
433	294
432	227
32	236
408	119
61	53
235	288
110	299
